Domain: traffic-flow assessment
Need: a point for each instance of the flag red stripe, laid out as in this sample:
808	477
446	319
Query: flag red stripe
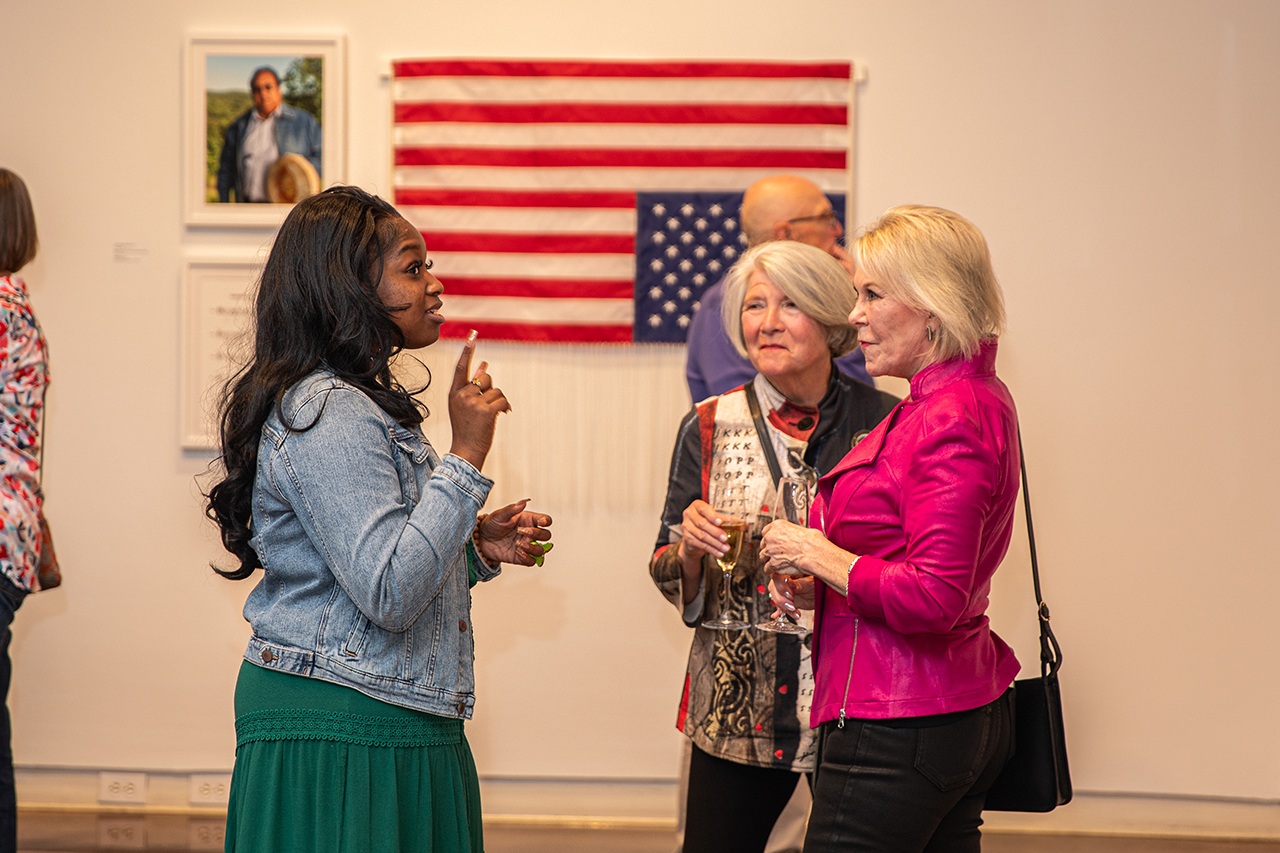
586	113
538	332
514	198
552	288
640	70
693	158
709	88
478	241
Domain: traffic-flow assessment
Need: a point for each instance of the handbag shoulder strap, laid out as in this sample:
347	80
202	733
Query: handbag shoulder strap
762	433
1050	651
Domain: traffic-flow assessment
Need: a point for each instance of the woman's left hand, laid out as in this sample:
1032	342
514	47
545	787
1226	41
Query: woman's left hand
789	549
785	545
511	535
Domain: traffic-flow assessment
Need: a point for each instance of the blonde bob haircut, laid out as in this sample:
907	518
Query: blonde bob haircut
812	279
936	261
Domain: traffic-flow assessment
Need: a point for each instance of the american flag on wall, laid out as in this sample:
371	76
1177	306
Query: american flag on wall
569	201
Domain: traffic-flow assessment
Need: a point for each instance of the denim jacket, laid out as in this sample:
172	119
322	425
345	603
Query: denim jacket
365	537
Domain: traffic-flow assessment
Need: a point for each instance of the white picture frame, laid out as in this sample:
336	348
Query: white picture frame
221	62
217	322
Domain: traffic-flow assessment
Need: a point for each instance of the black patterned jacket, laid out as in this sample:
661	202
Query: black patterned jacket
745	692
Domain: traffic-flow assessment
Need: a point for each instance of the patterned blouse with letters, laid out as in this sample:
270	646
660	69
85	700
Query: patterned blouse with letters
746	693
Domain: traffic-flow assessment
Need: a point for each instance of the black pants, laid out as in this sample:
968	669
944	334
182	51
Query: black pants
915	784
10	599
732	807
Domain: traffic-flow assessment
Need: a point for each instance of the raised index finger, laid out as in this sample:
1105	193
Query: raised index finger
463	370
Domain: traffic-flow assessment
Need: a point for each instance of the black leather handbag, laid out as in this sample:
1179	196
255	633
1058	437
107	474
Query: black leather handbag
1036	779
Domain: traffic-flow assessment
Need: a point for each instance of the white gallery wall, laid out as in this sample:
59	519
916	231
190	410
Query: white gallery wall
1121	158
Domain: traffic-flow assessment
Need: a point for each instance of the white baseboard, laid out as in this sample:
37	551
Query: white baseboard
584	802
652	803
49	788
623	802
1148	816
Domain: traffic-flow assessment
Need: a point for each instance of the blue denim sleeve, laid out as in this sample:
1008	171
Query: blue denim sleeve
391	556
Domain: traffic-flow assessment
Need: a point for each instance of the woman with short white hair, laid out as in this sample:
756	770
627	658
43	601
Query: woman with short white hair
745	701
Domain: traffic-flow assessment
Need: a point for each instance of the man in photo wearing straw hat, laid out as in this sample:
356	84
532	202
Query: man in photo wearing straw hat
261	136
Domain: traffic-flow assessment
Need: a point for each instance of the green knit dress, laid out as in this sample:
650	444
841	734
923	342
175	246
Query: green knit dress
321	767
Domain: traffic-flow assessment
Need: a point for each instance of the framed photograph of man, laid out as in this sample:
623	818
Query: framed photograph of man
265	123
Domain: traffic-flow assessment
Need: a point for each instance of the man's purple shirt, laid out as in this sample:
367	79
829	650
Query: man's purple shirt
713	366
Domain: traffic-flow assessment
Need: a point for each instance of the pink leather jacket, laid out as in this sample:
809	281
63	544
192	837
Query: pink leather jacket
927	499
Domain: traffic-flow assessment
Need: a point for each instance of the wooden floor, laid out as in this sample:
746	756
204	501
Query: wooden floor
539	840
87	831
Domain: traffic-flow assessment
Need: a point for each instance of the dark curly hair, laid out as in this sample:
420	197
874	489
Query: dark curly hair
317	305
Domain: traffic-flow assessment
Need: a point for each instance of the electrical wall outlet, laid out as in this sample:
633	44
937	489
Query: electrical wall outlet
122	833
207	834
210	789
116	787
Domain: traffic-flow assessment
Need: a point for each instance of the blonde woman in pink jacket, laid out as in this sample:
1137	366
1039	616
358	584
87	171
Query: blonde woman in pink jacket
913	697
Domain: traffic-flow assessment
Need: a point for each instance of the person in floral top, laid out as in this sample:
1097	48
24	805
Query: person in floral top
23	376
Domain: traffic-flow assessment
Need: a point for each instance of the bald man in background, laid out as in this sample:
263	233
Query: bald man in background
778	207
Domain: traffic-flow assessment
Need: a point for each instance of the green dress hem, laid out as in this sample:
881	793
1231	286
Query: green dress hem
322	767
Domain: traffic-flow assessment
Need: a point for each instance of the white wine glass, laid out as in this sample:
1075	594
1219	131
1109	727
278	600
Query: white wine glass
729	502
792	505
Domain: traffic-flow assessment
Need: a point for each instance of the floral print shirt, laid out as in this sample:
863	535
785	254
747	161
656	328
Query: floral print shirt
24	373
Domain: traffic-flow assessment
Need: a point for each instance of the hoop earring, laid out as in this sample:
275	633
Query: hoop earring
930	333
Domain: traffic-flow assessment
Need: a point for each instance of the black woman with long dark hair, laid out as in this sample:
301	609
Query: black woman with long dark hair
358	676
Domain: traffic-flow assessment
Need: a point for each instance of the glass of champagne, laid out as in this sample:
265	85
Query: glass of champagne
729	502
793	506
